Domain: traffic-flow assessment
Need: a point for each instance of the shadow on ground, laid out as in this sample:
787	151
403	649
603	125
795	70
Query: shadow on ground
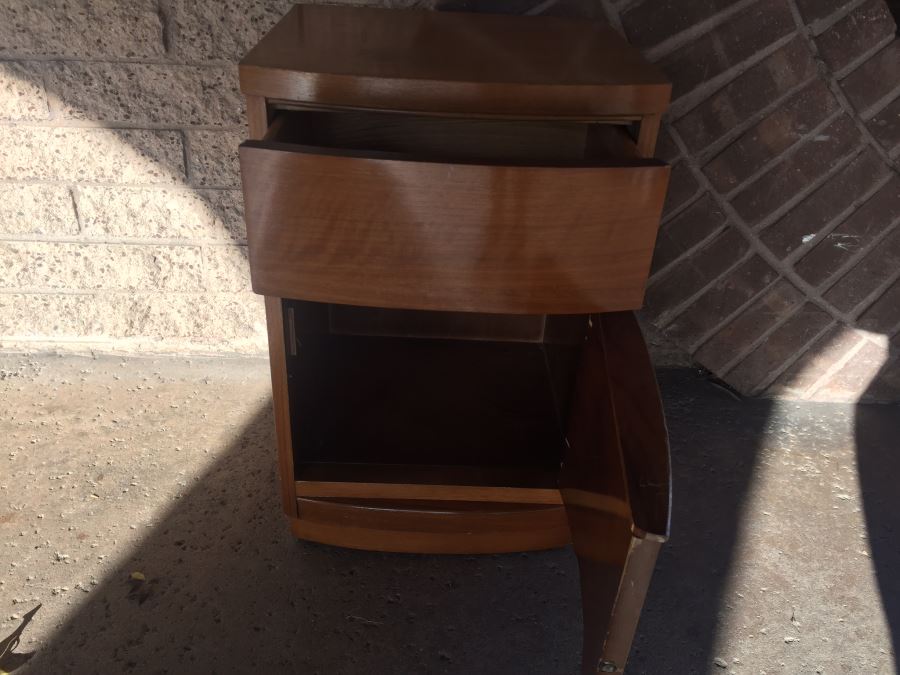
228	590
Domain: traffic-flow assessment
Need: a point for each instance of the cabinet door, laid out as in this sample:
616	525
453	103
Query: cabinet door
615	484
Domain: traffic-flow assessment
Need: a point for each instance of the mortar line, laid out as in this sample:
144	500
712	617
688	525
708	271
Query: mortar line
663	271
668	316
734	314
736	131
809	189
835	222
864	305
695	31
755	245
118	241
155	292
116	60
769	380
835	87
835	277
785	155
684	206
834	369
709	335
65	182
880	104
821	25
705	90
148	345
118	125
847	70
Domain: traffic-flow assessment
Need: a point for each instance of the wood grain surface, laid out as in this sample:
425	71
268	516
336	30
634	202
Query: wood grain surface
452	62
453	236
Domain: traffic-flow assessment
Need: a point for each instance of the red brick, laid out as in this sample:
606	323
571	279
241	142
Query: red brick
857	375
727	45
687	230
682	186
763	142
884	314
654	21
721	300
811	160
835	196
734	104
875	79
814	10
860	282
693	273
843	243
780	347
775	304
885	126
855	34
821	355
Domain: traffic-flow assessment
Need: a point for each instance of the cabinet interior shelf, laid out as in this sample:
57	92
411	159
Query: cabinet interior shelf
466	414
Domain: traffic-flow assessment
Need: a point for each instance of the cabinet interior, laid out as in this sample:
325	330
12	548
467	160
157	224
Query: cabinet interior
442	138
476	399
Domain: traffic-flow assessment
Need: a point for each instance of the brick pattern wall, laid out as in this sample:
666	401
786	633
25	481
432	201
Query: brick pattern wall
777	264
777	261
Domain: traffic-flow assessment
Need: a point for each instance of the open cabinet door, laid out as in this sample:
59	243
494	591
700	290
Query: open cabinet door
615	483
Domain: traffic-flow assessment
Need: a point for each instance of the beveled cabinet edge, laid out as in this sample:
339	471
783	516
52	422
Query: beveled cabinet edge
258	123
284	66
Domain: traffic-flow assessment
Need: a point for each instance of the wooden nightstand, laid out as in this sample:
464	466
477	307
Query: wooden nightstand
451	217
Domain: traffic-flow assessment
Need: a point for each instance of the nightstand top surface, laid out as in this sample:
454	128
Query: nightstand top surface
452	62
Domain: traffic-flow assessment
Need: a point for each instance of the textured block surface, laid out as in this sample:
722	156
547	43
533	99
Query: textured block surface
119	184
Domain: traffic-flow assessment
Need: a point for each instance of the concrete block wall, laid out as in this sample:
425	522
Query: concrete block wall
121	224
777	262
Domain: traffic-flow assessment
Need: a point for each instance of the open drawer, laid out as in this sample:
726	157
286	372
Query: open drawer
339	209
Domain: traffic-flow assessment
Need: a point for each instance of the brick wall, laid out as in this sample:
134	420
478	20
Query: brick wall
777	262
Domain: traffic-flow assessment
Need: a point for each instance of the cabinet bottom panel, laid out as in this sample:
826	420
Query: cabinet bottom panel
407	526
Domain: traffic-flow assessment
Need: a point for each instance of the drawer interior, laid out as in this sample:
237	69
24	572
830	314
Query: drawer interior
425	407
454	138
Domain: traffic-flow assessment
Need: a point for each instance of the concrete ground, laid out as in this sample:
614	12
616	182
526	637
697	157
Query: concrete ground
784	555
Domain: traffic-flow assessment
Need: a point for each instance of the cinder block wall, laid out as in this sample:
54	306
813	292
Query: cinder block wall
777	265
120	213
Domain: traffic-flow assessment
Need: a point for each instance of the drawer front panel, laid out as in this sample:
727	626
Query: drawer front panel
399	233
